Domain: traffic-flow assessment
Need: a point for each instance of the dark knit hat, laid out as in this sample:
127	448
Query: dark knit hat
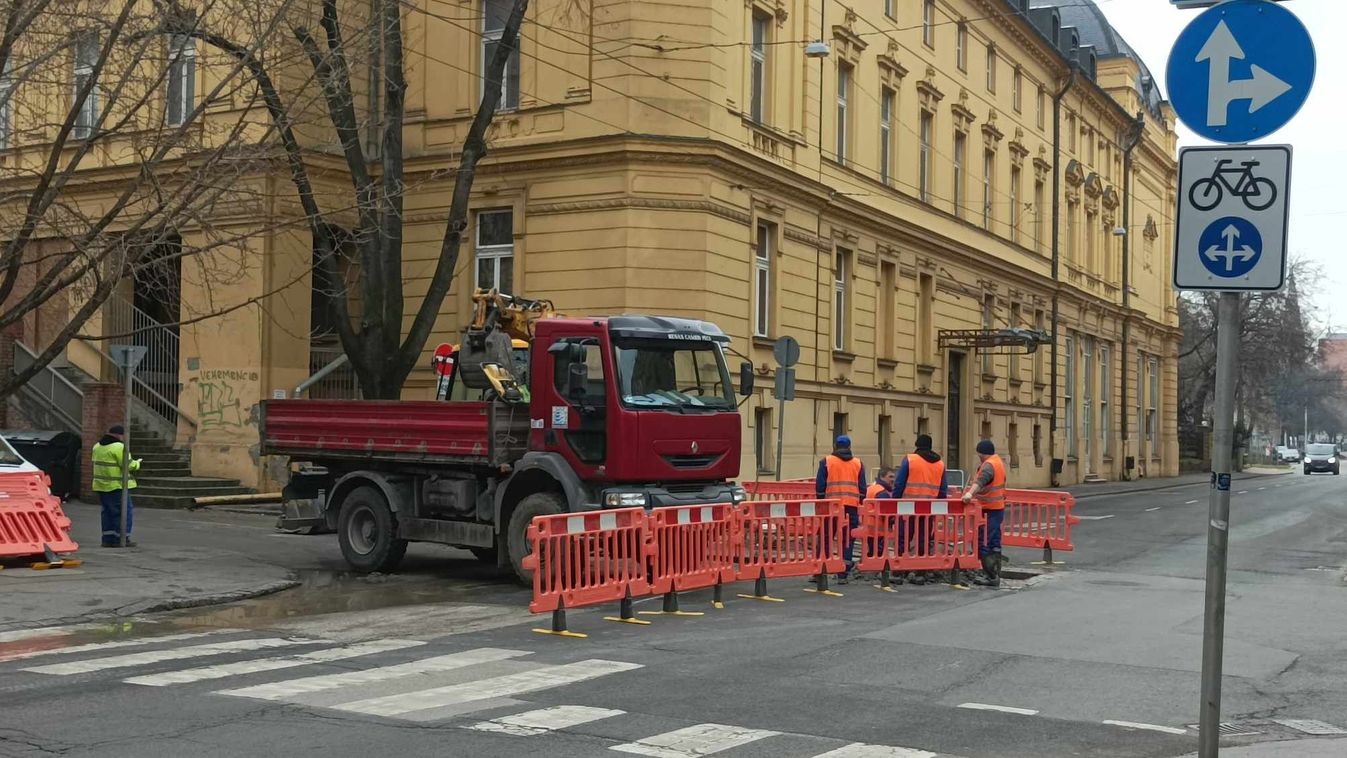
924	442
985	447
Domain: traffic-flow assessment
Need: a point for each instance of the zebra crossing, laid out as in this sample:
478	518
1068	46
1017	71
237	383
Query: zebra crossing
410	681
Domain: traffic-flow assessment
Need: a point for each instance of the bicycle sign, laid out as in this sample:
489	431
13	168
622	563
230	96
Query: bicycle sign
1230	233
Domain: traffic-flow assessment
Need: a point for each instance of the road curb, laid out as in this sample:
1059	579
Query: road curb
1086	495
201	601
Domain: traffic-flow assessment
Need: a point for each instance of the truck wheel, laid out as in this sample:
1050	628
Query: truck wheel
367	531
517	541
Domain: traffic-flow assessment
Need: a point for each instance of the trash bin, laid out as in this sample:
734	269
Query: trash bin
56	453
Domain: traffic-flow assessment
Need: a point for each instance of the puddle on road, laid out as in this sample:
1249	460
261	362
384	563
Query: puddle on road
325	592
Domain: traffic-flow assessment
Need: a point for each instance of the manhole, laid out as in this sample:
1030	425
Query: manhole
1309	726
1229	729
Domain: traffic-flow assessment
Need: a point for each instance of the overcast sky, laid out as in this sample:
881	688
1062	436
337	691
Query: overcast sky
1318	134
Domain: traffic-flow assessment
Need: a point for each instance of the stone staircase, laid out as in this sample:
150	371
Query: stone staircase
165	479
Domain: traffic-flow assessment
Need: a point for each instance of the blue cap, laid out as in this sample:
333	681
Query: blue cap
985	447
842	441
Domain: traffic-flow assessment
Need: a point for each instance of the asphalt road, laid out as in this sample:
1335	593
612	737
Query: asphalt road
1098	658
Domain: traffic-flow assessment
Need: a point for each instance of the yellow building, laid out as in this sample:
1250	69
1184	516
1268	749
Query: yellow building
890	182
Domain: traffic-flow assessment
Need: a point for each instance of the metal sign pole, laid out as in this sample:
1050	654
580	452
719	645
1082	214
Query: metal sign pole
126	458
1218	524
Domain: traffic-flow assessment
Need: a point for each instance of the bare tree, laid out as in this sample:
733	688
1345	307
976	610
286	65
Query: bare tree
380	355
108	153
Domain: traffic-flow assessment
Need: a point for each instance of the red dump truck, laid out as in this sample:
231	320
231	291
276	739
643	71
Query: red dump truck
614	412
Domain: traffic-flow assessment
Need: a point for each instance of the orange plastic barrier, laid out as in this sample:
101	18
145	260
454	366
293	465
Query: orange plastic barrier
797	489
1039	519
587	558
31	520
694	547
918	535
790	538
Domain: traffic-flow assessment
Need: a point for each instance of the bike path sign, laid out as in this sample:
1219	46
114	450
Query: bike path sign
1241	70
1231	229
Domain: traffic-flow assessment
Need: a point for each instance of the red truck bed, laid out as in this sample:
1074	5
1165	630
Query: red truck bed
469	432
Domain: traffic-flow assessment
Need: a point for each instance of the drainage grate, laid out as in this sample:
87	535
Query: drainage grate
1309	726
1229	729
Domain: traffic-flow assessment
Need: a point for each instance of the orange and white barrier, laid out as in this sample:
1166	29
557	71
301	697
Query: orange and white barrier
1039	519
32	522
790	538
694	547
586	558
795	489
919	535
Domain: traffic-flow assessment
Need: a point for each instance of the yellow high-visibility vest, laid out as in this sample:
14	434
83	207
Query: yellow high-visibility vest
108	468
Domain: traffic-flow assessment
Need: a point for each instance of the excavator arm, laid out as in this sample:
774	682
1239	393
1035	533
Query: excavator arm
485	358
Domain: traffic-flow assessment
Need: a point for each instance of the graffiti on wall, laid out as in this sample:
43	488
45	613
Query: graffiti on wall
220	395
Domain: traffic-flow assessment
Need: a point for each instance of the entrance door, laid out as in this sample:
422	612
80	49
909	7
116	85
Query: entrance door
954	410
156	300
1087	423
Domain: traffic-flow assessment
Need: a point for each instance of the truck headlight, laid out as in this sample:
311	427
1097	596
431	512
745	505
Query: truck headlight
625	500
738	494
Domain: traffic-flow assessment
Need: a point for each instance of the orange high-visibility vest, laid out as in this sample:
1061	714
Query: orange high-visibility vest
993	496
874	491
923	479
844	480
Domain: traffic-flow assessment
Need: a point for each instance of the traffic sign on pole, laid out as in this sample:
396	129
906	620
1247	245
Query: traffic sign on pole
1241	70
1231	228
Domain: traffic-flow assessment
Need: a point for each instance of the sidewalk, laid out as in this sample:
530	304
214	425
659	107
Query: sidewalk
1319	748
116	583
1082	491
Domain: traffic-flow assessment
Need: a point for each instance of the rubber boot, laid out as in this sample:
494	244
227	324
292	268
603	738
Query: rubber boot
991	572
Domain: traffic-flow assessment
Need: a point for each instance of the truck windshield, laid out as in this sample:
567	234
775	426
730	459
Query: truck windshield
659	373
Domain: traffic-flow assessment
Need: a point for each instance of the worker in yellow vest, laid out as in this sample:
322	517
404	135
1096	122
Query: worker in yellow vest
989	490
841	476
107	480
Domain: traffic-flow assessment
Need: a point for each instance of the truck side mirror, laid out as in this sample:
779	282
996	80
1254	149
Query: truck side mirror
577	379
745	379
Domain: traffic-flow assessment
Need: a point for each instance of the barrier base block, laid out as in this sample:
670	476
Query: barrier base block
1047	563
619	620
718	605
764	598
884	588
671	613
562	633
826	593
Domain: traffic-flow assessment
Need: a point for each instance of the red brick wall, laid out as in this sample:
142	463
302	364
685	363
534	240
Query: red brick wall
104	406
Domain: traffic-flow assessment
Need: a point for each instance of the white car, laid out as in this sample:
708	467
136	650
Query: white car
11	461
1288	454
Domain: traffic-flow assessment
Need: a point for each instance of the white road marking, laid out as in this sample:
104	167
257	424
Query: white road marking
20	655
533	723
1260	489
1094	518
541	678
1156	508
694	741
1147	727
238	668
1190	502
1242	492
158	656
293	687
862	750
1001	708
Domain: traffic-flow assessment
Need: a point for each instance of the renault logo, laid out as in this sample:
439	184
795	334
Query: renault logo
694	446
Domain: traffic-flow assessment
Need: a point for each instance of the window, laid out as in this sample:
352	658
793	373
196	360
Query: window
1039	201
757	99
1038	444
988	324
889	9
885	441
887	327
991	68
1152	419
6	109
1092	146
86	57
960	153
1017	89
1087	396
762	280
1040	106
928	22
961	46
925	319
839	425
1040	324
924	185
1091	233
1071	209
1141	395
1013	438
494	15
181	80
988	187
1071	132
886	99
1015	210
1069	397
495	250
762	440
840	278
1015	315
1105	393
843	97
592	357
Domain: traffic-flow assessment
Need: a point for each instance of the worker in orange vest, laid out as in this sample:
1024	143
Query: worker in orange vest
883	486
989	490
841	476
921	476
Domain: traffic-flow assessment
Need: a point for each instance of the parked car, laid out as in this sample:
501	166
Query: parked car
1288	454
1321	457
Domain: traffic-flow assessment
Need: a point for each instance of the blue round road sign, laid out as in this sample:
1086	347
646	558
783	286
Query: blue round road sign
1241	70
1230	247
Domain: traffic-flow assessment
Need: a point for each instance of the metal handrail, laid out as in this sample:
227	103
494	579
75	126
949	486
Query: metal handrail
23	358
321	374
137	382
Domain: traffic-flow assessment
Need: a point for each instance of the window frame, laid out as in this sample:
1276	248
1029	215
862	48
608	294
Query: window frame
841	298
1040	107
511	75
846	75
959	160
763	248
497	252
759	75
991	68
762	440
888	99
926	127
961	46
1152	407
7	87
1017	89
87	117
988	187
182	70
1069	397
1016	177
1105	391
928	23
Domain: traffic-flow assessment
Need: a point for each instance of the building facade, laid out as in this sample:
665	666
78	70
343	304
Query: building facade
932	176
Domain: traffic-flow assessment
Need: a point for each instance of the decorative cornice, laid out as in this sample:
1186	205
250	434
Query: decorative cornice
1075	173
850	45
929	93
1151	231
889	67
1110	197
1094	186
961	112
647	203
989	130
806	238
